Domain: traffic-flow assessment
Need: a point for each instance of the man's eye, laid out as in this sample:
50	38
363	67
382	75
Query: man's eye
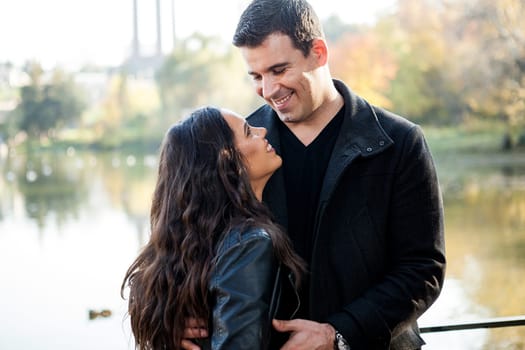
279	71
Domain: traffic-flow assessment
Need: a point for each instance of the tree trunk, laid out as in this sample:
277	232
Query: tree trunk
507	144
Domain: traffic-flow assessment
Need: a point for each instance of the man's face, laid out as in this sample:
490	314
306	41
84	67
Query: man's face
284	78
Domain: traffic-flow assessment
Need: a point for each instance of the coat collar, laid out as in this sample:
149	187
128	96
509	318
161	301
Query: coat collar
361	131
361	135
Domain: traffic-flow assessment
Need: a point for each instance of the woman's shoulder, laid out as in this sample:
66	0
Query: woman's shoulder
238	236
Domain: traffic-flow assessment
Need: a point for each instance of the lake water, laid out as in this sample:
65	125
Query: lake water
72	222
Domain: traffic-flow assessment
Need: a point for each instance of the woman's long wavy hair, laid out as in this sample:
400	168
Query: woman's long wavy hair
202	191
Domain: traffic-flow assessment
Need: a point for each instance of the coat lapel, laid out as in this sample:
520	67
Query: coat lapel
360	135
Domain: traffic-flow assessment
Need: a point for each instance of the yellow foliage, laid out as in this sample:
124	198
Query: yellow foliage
364	65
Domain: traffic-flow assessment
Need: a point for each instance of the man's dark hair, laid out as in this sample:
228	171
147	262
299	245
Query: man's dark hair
295	18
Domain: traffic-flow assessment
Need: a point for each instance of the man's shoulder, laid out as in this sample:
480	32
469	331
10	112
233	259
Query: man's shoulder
392	120
401	130
365	112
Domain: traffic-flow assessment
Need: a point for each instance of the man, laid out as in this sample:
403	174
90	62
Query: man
357	192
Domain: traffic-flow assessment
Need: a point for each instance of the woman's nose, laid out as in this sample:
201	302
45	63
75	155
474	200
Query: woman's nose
261	132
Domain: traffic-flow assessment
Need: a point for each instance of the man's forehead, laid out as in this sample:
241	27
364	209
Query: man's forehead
269	55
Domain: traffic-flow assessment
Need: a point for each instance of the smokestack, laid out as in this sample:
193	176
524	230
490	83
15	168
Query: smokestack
136	46
159	37
173	23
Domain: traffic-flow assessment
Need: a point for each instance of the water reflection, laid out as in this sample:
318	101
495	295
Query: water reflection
50	187
485	238
68	231
71	222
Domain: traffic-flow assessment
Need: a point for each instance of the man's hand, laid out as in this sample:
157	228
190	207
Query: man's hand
195	328
306	335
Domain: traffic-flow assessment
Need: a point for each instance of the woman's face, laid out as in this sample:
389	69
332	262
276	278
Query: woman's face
259	156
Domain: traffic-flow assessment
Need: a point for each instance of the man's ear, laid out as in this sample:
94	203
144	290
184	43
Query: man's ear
320	51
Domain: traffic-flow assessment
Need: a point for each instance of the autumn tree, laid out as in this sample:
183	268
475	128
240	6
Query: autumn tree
426	87
364	64
496	87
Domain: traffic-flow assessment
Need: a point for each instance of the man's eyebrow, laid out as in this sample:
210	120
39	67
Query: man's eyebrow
278	65
271	68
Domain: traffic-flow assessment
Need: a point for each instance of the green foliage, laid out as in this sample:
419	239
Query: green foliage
201	71
47	107
477	138
425	88
437	62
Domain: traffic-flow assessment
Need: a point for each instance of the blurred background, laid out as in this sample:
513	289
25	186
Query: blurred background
88	88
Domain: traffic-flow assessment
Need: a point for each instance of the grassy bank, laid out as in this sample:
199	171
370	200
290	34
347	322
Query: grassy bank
476	139
471	149
469	138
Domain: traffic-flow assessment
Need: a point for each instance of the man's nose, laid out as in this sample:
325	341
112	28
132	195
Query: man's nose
268	87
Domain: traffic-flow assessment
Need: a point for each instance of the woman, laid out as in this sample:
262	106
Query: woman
214	253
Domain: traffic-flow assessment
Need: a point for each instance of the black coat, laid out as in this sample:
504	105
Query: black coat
378	259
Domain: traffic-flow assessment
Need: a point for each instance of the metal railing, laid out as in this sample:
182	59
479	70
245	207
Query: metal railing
484	323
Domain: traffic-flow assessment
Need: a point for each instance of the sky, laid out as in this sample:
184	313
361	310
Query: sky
72	33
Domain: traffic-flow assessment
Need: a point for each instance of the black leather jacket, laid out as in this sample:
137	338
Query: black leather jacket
245	289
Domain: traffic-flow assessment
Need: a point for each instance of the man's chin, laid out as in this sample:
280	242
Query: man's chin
286	117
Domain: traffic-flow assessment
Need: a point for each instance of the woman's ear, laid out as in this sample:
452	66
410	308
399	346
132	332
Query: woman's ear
320	51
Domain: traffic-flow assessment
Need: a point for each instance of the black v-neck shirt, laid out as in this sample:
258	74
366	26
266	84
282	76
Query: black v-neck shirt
304	169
